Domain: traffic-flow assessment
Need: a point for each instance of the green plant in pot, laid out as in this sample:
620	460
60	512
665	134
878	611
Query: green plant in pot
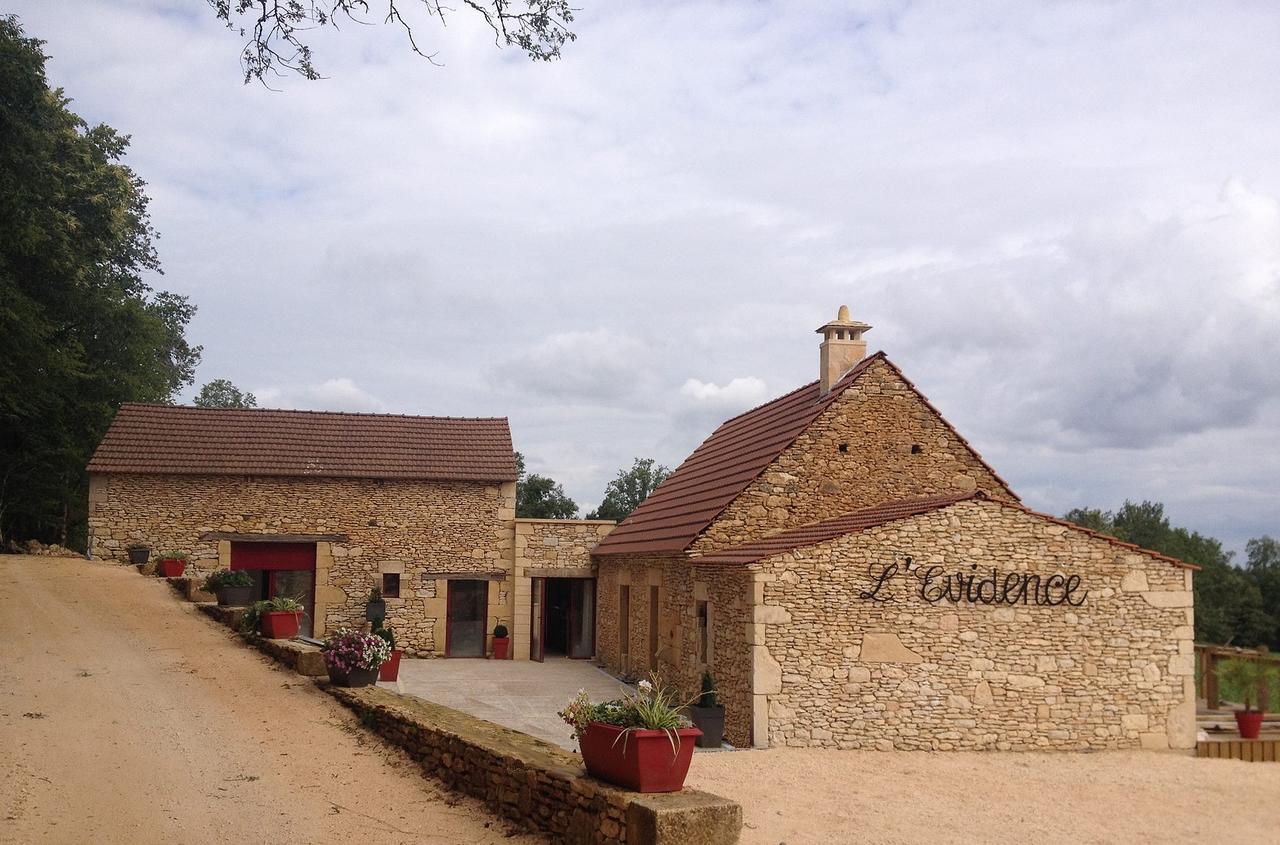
276	619
501	641
375	608
1245	678
233	587
139	554
708	714
390	670
171	564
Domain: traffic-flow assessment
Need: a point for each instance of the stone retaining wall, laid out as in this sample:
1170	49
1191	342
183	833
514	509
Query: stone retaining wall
535	784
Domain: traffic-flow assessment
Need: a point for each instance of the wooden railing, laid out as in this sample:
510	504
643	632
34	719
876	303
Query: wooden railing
1207	659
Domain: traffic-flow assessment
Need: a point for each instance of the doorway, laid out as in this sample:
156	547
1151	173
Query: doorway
281	570
564	618
467	615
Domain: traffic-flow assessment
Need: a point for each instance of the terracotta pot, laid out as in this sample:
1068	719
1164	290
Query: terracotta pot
1250	723
172	567
390	670
500	646
640	760
281	624
354	678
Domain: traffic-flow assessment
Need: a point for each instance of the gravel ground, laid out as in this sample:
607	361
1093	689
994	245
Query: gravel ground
128	717
802	796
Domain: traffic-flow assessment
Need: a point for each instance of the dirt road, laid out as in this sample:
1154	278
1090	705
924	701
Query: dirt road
126	716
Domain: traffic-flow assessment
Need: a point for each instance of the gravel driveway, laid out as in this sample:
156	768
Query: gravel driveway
126	716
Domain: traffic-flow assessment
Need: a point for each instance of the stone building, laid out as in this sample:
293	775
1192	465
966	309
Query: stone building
325	506
854	575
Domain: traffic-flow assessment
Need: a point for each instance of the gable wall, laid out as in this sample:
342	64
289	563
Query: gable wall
901	672
880	417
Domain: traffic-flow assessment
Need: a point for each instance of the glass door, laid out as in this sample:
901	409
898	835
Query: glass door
537	618
582	618
300	585
465	629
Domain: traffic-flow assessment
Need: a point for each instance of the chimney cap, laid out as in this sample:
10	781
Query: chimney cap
843	321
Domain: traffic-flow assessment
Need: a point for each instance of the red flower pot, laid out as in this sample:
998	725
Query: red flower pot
172	567
1250	723
390	670
641	760
281	624
500	646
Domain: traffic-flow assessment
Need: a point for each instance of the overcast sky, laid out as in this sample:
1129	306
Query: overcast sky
1063	222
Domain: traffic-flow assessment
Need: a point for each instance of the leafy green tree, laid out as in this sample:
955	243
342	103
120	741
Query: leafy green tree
80	332
539	28
1263	566
540	497
1230	608
631	487
221	393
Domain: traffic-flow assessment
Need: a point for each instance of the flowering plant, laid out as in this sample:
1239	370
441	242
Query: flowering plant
345	650
651	707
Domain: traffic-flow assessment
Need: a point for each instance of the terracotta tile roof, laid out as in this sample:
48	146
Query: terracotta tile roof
728	461
177	440
850	523
829	529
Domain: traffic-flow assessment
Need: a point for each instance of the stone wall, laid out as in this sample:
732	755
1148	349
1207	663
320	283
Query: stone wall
558	548
897	448
535	784
900	672
415	528
681	586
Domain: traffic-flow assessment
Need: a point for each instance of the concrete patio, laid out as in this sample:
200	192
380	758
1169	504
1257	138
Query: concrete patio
522	695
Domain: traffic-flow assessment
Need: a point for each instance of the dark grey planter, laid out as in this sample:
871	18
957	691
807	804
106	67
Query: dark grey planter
139	557
235	596
375	611
354	678
709	720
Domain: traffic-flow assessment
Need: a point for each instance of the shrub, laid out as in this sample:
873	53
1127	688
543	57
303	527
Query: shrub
345	650
172	555
652	707
387	634
500	630
227	578
253	616
375	595
1243	677
708	696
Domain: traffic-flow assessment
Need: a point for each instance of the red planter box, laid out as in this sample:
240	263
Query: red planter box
390	670
500	645
171	567
1250	723
642	760
281	624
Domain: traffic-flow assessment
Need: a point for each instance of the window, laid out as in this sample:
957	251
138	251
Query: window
391	585
624	625
704	632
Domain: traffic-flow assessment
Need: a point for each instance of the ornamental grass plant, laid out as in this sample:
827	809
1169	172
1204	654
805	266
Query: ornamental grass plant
653	707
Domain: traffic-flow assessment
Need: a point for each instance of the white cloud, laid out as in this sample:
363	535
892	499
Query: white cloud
740	393
335	394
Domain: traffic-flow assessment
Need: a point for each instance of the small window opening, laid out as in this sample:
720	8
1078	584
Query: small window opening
704	632
844	447
916	448
391	585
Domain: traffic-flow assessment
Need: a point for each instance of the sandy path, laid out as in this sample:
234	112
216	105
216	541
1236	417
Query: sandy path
126	716
810	796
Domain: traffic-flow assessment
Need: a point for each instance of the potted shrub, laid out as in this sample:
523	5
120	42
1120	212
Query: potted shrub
353	657
1242	678
139	554
233	587
639	742
375	608
279	617
171	564
708	715
501	642
389	671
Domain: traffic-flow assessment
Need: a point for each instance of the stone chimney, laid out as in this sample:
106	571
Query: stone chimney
841	349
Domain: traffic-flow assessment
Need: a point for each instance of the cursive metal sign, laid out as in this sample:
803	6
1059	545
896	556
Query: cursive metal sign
935	584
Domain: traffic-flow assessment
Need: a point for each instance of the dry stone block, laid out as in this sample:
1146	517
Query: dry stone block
886	647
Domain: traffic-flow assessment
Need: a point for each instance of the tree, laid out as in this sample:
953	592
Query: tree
1263	567
1230	608
275	30
221	393
80	332
631	487
540	497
